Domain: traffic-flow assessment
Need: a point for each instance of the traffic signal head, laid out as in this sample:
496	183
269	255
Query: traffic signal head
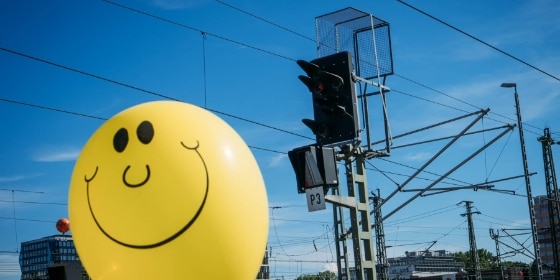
314	166
330	81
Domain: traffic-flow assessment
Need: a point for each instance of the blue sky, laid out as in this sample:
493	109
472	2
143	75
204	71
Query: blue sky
68	65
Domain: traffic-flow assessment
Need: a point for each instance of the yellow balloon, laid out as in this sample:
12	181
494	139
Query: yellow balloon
167	190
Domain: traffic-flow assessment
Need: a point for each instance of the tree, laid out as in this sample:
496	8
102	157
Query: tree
485	259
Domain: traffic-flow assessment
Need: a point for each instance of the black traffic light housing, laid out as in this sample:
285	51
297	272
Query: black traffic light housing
330	81
314	166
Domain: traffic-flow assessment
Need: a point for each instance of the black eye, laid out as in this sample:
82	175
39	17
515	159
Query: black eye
145	132
121	140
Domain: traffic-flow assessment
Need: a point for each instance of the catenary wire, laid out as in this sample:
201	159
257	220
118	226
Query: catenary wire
478	40
265	20
282	56
99	77
124	85
102	118
68	68
396	74
196	29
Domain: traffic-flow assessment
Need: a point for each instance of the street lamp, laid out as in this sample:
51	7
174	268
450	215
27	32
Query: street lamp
510	85
527	180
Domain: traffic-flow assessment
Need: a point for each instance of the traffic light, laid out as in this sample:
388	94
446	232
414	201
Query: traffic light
314	166
329	79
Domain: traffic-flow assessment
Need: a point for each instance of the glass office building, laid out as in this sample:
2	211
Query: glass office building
54	257
36	256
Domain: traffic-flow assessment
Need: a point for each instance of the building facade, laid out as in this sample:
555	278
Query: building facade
37	256
42	258
425	264
264	271
544	235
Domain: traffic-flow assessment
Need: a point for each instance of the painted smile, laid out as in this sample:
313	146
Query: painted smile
188	222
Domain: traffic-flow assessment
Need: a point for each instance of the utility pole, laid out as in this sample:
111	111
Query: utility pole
552	196
362	237
496	237
474	271
330	80
366	37
356	202
527	182
382	263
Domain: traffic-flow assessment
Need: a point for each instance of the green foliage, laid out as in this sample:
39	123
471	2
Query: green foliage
486	260
325	275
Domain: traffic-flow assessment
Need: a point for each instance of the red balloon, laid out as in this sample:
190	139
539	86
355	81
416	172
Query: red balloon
63	225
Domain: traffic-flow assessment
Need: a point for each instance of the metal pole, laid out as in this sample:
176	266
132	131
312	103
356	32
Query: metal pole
474	270
552	196
527	182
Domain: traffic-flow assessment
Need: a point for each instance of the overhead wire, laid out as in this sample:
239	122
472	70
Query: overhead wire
423	215
498	157
15	221
424	171
408	79
396	74
143	90
34	202
27	220
478	40
167	97
265	20
124	85
157	94
276	232
205	33
204	67
196	29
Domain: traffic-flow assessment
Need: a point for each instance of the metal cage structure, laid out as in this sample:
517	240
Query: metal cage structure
365	36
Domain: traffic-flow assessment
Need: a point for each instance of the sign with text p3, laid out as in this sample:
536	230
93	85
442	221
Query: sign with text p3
315	199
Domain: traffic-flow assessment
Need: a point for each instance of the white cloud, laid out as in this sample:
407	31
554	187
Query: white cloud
15	178
277	160
57	155
421	156
12	178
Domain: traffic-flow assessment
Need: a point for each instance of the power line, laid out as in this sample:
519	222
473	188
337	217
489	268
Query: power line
82	72
34	202
136	88
396	74
306	37
28	220
215	111
157	94
478	40
51	109
124	85
196	29
267	21
457	99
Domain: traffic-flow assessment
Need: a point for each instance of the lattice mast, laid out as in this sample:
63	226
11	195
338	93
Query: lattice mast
552	196
382	262
367	38
496	237
474	270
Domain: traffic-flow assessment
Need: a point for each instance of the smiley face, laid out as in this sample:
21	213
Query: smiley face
143	181
153	190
